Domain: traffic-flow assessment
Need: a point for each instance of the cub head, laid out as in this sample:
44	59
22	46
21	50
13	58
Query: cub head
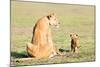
73	35
53	20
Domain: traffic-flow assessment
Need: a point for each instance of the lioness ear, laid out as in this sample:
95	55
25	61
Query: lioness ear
49	16
53	14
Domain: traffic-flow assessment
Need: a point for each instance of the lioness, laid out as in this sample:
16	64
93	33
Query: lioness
41	45
74	42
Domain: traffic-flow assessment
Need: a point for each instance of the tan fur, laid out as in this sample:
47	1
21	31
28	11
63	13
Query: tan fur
41	45
74	42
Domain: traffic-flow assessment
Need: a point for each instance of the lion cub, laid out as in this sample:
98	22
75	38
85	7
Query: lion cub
74	43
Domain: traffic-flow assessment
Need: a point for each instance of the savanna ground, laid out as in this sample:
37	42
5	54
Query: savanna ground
72	18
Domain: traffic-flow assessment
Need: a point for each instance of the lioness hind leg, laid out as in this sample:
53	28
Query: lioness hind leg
30	49
57	51
53	52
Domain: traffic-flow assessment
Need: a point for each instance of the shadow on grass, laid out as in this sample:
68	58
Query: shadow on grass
19	55
63	50
24	54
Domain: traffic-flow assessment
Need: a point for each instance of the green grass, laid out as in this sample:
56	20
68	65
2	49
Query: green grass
72	18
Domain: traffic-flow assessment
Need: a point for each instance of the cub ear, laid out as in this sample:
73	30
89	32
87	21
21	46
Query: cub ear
76	34
70	35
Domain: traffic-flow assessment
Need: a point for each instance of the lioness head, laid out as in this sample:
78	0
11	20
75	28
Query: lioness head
53	20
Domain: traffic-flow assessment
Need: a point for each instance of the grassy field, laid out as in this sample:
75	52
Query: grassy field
72	18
